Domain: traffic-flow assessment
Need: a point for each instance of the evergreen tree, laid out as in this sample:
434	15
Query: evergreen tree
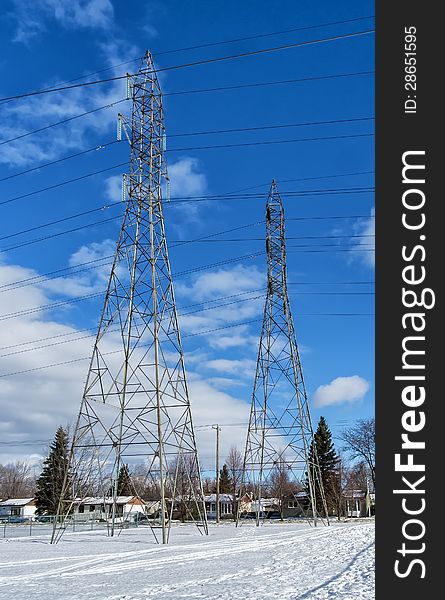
225	484
50	482
328	462
124	484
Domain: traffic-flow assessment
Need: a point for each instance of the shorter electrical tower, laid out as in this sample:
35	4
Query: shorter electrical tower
135	408
280	455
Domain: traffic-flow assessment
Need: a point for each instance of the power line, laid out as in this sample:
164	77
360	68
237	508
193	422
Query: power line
299	237
351	249
195	63
93	295
187	134
204	239
264	127
196	240
60	233
72	361
54	274
62	122
96	148
267	50
266	83
195	91
99	172
209	44
178	199
117	205
93	264
197	333
268	142
252	37
62	183
61	220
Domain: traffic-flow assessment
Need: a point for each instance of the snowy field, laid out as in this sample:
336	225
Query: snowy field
278	560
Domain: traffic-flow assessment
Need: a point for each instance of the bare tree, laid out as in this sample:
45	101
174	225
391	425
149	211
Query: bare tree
183	472
209	485
359	442
143	485
281	485
16	480
234	464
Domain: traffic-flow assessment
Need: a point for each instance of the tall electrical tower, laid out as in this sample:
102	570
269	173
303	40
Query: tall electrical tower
280	457
135	405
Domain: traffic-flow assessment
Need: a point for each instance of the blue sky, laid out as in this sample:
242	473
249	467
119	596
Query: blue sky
46	42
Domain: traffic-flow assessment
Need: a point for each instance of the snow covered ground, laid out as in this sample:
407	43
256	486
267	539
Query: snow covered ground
289	561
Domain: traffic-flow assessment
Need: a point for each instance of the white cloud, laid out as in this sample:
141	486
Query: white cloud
365	248
208	288
223	282
93	278
232	338
185	178
226	382
341	390
36	402
32	15
39	111
113	188
242	367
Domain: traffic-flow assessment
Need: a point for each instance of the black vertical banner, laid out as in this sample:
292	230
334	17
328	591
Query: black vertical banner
410	358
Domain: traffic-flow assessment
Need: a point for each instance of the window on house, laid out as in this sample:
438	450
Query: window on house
291	504
92	507
15	512
81	508
212	508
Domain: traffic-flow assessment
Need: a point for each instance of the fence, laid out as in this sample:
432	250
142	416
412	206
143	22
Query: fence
35	525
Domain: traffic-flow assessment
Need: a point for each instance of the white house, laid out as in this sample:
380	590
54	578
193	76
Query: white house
18	507
225	505
358	503
102	508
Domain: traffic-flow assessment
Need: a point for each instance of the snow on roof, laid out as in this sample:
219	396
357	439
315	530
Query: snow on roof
354	493
222	498
16	502
108	500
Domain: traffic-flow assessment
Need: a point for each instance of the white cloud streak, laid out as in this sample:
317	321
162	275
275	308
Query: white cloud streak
32	16
364	250
342	390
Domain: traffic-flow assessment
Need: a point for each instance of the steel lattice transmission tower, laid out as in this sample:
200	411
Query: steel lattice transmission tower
135	405
280	434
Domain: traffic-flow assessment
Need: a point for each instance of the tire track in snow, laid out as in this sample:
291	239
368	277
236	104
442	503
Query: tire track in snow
93	564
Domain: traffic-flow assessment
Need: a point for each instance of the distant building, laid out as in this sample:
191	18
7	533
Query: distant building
226	508
102	508
18	507
358	503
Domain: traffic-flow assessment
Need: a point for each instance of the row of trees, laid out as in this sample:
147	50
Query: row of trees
337	473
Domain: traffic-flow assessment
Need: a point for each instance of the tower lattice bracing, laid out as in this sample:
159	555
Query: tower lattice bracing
135	406
280	460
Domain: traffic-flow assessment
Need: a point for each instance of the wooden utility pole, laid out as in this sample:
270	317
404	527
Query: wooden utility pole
218	429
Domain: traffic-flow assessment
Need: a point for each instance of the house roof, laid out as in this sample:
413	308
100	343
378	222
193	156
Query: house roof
108	500
354	493
222	498
17	502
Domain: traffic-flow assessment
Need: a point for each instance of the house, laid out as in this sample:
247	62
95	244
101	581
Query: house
18	507
358	503
226	508
92	508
